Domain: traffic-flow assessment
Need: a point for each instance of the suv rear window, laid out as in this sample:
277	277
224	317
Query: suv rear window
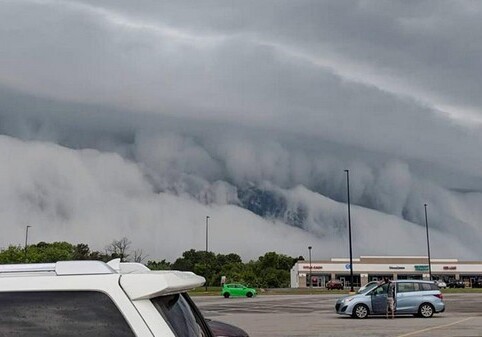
60	313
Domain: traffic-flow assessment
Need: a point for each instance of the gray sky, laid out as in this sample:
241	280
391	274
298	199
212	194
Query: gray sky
202	98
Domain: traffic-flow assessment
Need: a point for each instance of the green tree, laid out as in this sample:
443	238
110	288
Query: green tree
50	252
227	259
13	254
82	252
277	261
187	261
159	265
271	270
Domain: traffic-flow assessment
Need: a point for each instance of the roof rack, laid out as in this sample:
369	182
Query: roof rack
59	268
30	268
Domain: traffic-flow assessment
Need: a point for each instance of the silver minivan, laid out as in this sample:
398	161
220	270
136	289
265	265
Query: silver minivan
419	298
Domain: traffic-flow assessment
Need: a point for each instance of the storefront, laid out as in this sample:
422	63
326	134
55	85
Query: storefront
375	268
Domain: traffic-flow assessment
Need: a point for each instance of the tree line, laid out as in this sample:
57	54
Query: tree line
272	270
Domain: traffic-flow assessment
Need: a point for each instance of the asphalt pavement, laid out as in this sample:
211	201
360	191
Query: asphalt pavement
314	316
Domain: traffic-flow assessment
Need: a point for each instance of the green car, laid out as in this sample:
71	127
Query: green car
234	289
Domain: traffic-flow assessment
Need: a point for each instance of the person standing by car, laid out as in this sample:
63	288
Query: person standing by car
391	298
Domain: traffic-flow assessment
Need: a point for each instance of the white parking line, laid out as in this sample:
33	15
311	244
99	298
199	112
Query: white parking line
434	328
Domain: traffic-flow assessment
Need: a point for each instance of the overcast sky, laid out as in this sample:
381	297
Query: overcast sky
194	100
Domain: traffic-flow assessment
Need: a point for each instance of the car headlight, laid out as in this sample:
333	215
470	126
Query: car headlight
346	300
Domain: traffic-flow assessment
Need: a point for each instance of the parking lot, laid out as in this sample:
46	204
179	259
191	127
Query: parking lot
313	316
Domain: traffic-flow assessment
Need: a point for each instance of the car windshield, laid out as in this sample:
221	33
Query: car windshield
367	288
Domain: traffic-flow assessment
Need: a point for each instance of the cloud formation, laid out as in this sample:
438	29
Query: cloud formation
119	117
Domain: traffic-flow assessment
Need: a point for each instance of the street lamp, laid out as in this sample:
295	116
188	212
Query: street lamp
26	241
309	253
428	243
349	228
206	273
207	227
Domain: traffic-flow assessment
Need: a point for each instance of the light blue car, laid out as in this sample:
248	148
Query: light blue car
415	297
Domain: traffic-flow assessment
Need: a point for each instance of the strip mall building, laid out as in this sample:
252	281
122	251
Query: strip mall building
373	268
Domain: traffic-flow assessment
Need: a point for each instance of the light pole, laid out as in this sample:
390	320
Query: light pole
349	228
207	227
428	243
309	253
26	241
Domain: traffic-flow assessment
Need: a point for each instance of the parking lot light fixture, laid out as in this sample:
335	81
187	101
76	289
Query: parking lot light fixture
26	241
349	228
207	233
309	253
428	243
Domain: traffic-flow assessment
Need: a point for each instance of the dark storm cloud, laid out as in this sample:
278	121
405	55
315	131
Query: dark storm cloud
271	73
428	49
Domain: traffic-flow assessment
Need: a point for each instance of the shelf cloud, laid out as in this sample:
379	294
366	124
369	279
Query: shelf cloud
139	119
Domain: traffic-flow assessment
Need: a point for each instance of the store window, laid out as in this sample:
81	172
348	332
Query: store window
345	279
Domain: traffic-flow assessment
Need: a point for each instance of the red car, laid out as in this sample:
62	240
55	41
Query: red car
334	284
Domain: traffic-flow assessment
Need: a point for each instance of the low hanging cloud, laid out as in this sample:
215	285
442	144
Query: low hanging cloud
139	121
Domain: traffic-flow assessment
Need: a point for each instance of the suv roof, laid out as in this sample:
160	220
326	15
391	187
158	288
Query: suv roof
137	280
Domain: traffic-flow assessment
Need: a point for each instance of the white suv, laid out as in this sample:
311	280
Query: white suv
92	298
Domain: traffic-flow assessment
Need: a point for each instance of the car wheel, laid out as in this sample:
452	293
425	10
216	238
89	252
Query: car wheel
426	310
226	295
250	294
360	311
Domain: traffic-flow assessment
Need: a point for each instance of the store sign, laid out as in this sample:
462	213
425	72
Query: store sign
421	267
396	267
450	267
313	267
